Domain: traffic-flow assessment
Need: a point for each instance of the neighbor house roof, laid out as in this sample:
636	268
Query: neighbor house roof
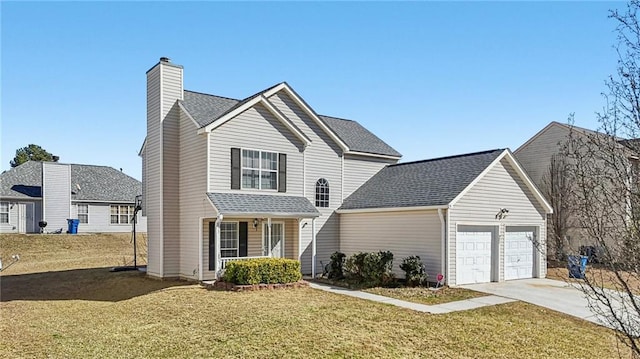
206	109
88	182
245	204
434	182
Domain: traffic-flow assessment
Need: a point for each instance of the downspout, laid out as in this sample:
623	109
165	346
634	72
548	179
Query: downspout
313	248
201	249
217	243
443	236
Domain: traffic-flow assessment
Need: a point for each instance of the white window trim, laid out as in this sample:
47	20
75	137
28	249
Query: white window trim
318	202
237	224
86	204
8	212
259	169
130	211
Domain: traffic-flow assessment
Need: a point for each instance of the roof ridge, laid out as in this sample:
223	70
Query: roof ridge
448	157
338	118
212	95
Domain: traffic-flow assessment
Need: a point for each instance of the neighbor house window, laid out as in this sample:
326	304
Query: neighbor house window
4	212
83	213
121	214
259	169
228	239
322	193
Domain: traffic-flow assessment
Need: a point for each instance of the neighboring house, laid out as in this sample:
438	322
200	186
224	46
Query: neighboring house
227	179
475	217
102	198
535	156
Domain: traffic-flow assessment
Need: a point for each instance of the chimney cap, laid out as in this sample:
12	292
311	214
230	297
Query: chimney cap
165	59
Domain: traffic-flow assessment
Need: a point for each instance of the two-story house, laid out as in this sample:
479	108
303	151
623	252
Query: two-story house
225	179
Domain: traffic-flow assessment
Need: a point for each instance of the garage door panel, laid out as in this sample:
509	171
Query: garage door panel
473	257
518	254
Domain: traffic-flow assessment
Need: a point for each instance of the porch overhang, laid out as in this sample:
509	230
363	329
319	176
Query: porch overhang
261	205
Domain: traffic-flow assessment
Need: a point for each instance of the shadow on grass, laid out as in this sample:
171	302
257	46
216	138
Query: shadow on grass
95	284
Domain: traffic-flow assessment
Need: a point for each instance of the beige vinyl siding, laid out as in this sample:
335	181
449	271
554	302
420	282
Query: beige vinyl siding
358	169
535	156
56	191
501	187
404	233
164	88
322	159
255	129
153	178
172	91
100	219
193	201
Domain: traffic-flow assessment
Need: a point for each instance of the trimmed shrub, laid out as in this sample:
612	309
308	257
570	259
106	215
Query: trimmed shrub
414	272
372	269
336	265
262	270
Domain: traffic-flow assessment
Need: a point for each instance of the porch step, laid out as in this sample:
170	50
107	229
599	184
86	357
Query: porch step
208	284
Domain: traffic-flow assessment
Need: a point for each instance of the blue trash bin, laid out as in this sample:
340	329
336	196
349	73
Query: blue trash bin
72	226
577	266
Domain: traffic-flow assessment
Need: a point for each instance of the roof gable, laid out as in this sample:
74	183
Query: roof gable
428	183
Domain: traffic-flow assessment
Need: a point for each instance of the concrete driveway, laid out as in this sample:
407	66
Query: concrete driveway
553	294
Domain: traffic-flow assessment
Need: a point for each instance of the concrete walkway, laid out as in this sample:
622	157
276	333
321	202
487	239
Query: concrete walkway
433	309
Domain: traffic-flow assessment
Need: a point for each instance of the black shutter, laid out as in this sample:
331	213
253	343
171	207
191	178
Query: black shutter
235	168
212	245
282	173
242	243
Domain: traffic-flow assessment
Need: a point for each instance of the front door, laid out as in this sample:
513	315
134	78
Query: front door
31	221
273	247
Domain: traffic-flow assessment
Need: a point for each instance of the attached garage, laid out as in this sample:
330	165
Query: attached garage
486	219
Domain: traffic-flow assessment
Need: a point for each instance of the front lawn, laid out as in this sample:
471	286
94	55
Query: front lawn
89	312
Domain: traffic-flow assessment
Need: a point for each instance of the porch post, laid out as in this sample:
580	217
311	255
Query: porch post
217	243
313	248
269	236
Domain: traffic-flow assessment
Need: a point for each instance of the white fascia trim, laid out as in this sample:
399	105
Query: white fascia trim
101	202
212	205
356	153
188	114
523	175
285	121
269	215
284	86
536	192
391	209
222	120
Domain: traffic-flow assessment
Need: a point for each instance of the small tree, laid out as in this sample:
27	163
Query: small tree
556	187
32	153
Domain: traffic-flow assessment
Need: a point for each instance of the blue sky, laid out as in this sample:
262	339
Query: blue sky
431	79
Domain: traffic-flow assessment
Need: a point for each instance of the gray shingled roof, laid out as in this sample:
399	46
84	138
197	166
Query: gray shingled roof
423	183
253	204
205	109
97	183
358	138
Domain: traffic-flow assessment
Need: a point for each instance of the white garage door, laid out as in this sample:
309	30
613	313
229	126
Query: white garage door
473	257
518	255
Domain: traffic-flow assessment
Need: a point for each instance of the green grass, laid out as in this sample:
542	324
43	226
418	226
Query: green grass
90	312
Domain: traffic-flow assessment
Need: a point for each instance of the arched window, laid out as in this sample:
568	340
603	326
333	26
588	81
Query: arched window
322	193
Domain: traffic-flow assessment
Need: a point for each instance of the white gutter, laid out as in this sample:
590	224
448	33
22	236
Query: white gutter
201	249
443	234
313	248
391	209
